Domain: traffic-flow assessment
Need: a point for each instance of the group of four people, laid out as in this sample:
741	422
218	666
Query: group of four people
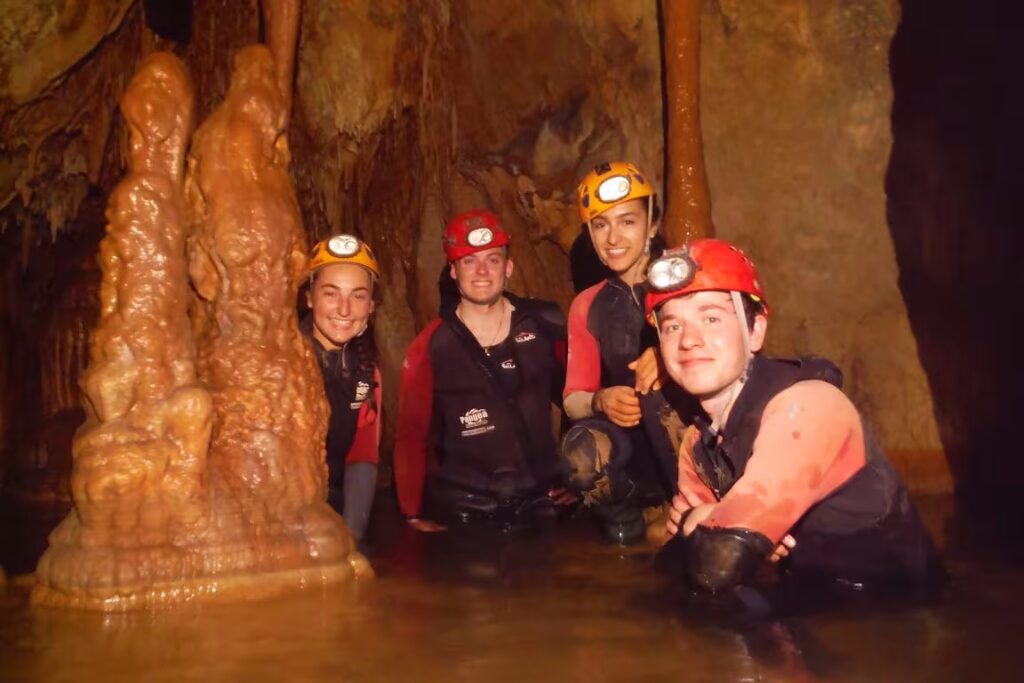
756	459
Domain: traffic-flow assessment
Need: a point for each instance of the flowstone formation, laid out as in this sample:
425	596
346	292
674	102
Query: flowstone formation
199	472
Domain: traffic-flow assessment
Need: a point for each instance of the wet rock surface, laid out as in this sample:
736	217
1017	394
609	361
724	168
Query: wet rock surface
199	472
795	111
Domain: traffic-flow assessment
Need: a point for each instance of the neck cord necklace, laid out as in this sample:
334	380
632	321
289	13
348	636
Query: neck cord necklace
497	333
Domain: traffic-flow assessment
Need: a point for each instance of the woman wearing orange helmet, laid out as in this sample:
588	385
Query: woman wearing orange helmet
342	275
614	460
777	459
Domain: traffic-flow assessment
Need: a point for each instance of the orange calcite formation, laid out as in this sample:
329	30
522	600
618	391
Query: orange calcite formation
200	471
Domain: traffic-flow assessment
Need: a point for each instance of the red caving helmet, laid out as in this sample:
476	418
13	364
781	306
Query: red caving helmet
699	266
473	231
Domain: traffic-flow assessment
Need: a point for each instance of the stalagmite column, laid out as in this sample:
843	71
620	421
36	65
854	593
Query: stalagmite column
137	480
247	257
200	472
688	203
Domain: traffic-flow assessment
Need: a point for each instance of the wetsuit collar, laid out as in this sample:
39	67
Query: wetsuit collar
322	352
636	292
448	313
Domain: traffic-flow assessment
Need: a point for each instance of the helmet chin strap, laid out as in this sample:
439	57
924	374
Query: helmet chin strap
741	314
737	386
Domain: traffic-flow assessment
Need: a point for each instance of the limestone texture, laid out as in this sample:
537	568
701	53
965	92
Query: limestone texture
199	472
795	106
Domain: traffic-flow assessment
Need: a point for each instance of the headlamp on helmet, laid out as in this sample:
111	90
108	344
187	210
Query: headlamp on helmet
613	189
343	246
672	271
480	237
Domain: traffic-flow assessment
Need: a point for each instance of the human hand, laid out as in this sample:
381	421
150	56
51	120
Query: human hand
425	525
676	510
563	496
620	404
649	371
782	549
688	511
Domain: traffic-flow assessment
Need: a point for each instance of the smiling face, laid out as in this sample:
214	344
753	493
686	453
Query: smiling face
702	342
342	300
620	236
481	276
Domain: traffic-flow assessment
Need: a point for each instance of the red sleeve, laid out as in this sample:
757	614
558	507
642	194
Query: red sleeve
690	484
366	444
584	362
561	353
412	431
811	441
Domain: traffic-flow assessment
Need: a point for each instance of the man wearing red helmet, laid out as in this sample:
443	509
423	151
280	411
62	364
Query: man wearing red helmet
480	380
778	462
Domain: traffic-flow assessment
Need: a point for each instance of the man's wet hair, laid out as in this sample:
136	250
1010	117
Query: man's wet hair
751	309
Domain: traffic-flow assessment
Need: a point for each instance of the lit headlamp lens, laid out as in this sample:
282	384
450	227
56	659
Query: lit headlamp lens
480	237
343	246
671	272
613	189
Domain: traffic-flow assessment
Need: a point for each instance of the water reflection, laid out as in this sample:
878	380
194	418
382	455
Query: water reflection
556	607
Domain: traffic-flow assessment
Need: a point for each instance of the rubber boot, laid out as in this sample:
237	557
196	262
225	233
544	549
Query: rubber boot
622	520
585	456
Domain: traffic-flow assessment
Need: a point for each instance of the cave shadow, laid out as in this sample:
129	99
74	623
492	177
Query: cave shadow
952	186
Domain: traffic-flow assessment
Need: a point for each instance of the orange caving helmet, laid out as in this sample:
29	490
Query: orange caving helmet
473	231
610	184
343	249
699	266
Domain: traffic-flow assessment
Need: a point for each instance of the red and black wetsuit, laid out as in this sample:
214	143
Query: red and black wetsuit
607	332
488	416
795	457
353	388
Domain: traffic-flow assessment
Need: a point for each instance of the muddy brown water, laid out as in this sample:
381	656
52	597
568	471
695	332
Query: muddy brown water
560	606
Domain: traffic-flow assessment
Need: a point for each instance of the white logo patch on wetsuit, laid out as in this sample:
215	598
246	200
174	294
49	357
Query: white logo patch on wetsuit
524	337
476	421
362	391
508	364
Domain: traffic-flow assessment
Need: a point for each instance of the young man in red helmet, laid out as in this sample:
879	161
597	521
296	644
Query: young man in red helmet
617	453
778	462
342	274
478	383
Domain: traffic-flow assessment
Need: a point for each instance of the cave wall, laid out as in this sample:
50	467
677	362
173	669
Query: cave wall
954	185
458	107
796	98
408	111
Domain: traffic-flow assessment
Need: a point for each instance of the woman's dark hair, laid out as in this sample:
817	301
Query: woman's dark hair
364	349
587	269
655	210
